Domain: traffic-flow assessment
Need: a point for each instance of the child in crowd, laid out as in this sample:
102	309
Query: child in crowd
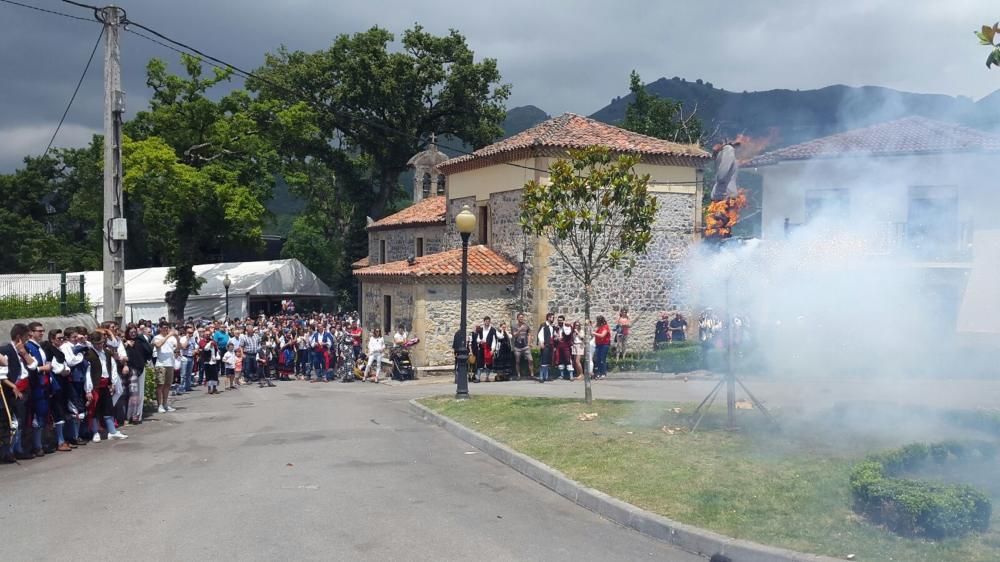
210	355
238	369
229	360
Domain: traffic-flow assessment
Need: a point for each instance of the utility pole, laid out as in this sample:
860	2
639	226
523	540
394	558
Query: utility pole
115	229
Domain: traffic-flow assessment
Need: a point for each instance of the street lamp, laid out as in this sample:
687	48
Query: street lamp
226	283
466	223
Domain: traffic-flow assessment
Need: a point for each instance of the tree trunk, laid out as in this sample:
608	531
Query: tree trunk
388	182
185	283
588	394
176	302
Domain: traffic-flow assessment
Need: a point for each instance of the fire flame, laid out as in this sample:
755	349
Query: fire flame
722	216
750	147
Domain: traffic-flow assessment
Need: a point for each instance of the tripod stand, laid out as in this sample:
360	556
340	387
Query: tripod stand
730	380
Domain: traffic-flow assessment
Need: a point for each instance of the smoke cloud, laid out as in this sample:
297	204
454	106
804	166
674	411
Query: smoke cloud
861	269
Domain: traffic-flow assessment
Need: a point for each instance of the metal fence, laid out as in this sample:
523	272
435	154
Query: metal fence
42	296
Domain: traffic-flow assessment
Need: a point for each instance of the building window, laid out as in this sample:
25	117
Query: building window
484	229
387	314
932	228
381	251
440	190
420	247
830	203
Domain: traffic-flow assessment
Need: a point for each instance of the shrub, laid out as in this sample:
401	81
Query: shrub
46	305
918	508
149	392
982	420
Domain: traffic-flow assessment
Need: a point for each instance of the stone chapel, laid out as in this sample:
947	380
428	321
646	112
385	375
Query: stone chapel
413	270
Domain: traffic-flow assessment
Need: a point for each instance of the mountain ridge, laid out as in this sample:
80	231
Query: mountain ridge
788	116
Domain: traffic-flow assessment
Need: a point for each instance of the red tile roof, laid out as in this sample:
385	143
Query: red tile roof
483	262
427	211
363	262
906	136
574	131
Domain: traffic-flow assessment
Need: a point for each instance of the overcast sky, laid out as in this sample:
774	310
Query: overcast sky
561	55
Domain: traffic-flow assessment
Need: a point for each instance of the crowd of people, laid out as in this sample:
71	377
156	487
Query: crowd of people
561	346
65	388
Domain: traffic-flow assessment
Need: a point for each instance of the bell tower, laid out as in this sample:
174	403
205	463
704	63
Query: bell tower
428	181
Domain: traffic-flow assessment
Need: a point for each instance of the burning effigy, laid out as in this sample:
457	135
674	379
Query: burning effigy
727	199
721	216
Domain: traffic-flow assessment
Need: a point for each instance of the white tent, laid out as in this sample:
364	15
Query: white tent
146	289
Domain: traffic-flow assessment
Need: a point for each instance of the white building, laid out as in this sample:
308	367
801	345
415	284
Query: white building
922	190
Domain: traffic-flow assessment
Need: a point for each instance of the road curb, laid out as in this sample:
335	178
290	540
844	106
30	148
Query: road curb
686	537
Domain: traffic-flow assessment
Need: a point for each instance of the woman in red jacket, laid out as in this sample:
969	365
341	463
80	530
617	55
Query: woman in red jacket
602	342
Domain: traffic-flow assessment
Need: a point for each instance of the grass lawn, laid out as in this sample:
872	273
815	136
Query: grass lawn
787	488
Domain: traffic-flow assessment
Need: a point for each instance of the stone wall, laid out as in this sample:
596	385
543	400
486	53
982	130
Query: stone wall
441	317
509	240
373	294
650	289
401	243
451	237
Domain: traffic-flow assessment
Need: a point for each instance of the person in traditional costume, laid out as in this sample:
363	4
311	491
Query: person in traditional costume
488	344
103	371
546	347
563	337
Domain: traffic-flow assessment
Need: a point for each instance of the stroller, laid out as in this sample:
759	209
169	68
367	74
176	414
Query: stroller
402	369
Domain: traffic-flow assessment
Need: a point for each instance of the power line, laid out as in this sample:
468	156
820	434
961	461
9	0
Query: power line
88	6
75	91
54	12
175	49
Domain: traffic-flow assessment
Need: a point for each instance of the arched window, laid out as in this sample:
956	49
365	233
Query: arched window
427	184
440	190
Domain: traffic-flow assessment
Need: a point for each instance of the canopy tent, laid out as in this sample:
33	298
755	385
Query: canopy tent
146	289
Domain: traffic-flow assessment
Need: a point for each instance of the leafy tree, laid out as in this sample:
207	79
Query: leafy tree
663	118
988	35
377	101
321	236
196	172
187	209
51	213
596	214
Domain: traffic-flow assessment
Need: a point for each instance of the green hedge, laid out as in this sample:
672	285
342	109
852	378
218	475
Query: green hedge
677	358
918	508
46	305
149	392
982	420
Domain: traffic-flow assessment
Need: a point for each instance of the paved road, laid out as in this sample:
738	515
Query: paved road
298	472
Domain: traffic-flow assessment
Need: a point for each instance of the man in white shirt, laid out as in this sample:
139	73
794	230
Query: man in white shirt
546	344
72	349
164	345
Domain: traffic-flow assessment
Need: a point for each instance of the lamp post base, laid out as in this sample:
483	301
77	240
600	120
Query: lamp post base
462	377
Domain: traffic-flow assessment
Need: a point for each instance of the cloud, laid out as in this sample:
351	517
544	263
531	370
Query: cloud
31	140
561	55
